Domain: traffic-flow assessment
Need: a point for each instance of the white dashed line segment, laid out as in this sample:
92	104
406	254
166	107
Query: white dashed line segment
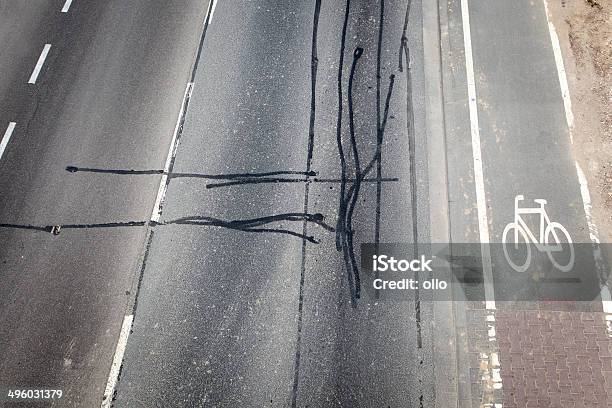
113	376
212	10
163	184
66	6
39	64
6	137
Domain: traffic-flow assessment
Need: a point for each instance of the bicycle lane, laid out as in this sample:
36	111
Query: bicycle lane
545	353
526	147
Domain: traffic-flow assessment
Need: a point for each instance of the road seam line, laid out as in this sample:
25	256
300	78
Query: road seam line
163	184
66	6
447	386
113	376
39	64
606	298
6	137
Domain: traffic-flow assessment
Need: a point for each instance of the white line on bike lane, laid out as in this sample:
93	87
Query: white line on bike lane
490	361
606	298
481	200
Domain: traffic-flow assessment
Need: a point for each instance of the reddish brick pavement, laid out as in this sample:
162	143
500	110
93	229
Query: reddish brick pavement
554	359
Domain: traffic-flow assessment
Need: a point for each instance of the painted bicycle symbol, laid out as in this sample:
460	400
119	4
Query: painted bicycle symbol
553	239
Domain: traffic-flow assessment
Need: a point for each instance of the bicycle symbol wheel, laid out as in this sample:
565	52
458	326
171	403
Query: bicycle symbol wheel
517	250
559	247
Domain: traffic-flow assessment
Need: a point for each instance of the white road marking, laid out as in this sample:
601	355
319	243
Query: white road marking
157	209
212	10
113	376
6	137
39	64
161	192
565	93
66	6
490	361
481	199
606	298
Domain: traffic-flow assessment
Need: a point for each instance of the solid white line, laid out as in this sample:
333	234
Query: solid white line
606	298
39	64
586	199
212	10
66	6
161	191
126	327
6	137
565	93
481	199
600	264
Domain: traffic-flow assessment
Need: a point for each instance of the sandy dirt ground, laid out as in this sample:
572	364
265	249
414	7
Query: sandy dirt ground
585	33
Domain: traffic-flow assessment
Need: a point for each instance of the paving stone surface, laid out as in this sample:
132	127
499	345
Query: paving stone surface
554	358
539	358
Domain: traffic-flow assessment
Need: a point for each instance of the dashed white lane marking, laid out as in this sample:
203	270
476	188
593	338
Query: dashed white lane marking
481	199
6	137
39	64
212	10
66	6
163	184
567	101
113	376
606	298
126	328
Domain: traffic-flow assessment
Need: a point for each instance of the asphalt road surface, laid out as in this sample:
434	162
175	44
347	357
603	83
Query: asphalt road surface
106	95
243	315
185	187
